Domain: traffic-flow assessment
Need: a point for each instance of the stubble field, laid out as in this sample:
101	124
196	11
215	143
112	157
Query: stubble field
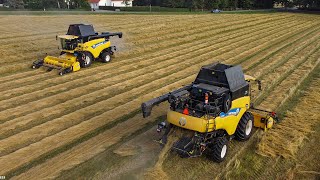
58	126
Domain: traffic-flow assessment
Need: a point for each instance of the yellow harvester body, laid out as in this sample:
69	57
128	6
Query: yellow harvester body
79	47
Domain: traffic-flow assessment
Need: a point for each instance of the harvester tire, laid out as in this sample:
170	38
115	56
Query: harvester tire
245	127
86	59
218	149
106	57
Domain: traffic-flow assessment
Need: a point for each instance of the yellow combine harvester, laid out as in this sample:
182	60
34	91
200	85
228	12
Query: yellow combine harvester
216	107
79	48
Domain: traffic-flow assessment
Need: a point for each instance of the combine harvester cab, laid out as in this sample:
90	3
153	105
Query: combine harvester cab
79	48
216	107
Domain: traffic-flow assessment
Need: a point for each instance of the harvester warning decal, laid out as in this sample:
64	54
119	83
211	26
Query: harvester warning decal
99	44
233	112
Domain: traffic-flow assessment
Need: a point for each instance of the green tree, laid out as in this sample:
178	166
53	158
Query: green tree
247	4
224	4
17	4
174	3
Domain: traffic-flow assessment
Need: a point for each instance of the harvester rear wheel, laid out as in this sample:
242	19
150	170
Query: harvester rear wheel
245	126
106	57
218	149
86	59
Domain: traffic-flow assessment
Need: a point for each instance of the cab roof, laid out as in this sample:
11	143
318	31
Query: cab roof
81	30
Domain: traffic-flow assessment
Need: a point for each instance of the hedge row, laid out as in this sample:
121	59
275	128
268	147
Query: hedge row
145	8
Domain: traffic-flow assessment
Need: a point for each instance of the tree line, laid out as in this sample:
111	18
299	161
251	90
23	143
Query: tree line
228	4
47	4
191	4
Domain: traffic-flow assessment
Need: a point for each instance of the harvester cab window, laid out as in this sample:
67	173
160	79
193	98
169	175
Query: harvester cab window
62	44
68	44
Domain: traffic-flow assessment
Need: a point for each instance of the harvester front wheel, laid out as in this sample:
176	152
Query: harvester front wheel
244	128
106	57
218	149
86	59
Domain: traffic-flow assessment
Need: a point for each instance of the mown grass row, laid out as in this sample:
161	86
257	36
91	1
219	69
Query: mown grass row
8	93
93	142
284	39
58	108
77	131
295	50
33	55
213	167
273	44
278	164
155	42
52	82
37	94
36	45
113	24
104	90
271	86
15	67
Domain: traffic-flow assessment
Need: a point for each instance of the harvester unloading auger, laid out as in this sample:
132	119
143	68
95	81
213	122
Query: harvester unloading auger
216	107
79	48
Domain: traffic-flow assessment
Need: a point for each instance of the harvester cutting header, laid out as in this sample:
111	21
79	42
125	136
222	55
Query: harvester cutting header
216	107
79	48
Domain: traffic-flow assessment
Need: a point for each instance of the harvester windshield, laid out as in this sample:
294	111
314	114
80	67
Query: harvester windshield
67	42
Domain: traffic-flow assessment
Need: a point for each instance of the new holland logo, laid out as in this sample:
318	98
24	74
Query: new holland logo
100	43
182	121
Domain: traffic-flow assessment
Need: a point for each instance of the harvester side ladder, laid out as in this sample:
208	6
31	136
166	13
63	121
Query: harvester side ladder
208	129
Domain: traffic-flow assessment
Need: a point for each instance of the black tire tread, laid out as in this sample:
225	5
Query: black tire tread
103	56
216	148
240	133
82	65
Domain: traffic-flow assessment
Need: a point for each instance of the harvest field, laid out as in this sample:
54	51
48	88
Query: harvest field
80	125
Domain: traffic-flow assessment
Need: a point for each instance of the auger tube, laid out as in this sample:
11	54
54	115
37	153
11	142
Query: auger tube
147	106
